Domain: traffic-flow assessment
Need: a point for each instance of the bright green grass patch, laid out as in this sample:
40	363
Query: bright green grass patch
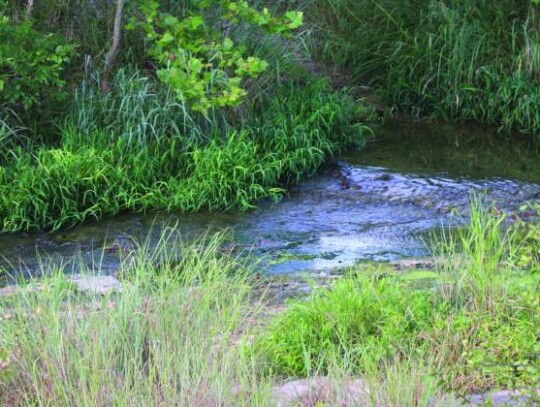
357	319
287	137
475	327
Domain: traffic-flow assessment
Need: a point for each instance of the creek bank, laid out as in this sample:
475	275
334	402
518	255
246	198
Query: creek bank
380	204
306	391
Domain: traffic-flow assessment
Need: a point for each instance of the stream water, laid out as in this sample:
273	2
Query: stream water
378	204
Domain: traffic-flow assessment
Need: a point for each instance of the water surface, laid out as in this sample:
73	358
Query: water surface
378	204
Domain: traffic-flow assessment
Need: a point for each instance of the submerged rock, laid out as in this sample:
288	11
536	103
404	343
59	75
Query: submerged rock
321	391
96	284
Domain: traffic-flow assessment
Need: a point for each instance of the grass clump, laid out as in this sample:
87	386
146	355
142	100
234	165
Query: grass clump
137	109
170	336
474	329
191	166
459	60
359	319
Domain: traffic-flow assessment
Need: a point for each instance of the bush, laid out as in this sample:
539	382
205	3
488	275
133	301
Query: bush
139	167
31	64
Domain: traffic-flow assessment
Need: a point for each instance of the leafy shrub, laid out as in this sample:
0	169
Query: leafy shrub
31	64
200	63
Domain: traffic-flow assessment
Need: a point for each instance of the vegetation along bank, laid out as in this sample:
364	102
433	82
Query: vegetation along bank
211	105
183	106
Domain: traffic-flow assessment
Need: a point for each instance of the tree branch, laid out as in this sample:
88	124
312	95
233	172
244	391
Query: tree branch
110	58
29	9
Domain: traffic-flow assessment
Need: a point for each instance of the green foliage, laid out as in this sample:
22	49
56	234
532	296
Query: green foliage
363	322
10	139
98	173
359	321
476	327
528	236
31	64
459	60
138	110
199	62
492	349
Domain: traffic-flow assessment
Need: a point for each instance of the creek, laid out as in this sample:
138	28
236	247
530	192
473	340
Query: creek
381	203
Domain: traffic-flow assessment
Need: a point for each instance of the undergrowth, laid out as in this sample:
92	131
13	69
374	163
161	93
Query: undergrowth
476	328
140	150
459	60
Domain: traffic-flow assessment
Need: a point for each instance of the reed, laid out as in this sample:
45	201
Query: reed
142	151
457	60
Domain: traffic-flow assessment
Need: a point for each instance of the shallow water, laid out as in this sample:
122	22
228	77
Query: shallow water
377	204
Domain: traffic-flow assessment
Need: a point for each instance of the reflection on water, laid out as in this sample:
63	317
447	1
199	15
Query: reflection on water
442	149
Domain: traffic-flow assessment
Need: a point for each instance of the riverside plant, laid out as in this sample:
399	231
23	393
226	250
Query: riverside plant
472	328
11	137
153	159
459	60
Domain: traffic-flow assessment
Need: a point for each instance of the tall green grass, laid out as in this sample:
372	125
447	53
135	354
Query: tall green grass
139	110
12	136
139	150
483	255
459	60
473	329
171	336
